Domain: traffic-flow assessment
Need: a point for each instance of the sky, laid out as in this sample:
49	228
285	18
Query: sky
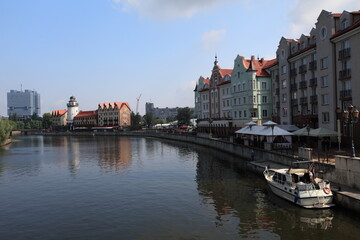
116	50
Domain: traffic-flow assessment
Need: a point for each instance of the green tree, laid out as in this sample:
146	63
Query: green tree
184	115
46	121
135	121
149	120
5	129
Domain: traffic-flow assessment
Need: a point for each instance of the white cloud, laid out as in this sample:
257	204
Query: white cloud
210	40
305	13
169	9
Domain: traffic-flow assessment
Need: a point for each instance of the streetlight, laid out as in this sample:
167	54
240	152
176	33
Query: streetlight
210	121
308	131
351	116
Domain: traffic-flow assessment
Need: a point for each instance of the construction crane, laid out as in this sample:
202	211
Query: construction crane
137	103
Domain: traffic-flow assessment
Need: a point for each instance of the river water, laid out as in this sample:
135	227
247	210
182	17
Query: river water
141	188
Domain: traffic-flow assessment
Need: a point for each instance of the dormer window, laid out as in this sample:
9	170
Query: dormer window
345	23
302	44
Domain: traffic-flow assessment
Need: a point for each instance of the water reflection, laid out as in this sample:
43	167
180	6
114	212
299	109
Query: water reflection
114	153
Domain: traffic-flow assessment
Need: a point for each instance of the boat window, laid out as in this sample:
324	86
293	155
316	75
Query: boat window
295	178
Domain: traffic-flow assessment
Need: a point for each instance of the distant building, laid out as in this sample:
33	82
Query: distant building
115	114
163	113
23	103
59	119
86	119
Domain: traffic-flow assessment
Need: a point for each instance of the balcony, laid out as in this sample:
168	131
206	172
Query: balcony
313	99
302	69
345	94
277	91
345	53
312	65
293	87
344	74
303	100
293	72
313	82
294	102
303	84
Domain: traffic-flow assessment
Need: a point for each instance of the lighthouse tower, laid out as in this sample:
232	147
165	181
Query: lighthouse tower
73	110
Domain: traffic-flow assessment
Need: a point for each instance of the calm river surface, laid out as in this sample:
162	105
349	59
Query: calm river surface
141	188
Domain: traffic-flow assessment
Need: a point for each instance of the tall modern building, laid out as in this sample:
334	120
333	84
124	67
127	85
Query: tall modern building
23	103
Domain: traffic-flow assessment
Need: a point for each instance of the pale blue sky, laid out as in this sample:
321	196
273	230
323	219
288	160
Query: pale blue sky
114	50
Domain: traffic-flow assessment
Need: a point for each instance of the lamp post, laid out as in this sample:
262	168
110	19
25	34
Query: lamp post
210	121
351	116
308	131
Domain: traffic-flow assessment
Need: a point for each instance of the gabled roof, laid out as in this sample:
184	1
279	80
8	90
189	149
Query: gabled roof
348	29
58	112
86	114
113	105
225	72
259	65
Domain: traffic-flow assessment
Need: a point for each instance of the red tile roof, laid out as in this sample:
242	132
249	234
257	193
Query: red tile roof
86	114
225	72
259	65
58	112
117	105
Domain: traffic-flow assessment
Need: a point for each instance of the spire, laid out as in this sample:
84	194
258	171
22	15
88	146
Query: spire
216	61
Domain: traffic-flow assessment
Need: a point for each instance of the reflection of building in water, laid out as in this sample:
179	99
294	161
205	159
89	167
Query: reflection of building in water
232	195
216	184
74	155
67	150
114	153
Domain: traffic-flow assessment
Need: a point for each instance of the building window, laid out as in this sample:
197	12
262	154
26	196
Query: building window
283	83
244	113
235	114
324	81
264	113
324	63
284	97
244	100
345	23
234	101
253	114
325	99
239	114
283	69
325	117
284	112
264	99
263	86
323	33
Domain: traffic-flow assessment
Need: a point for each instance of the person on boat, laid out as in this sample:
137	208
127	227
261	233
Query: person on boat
252	155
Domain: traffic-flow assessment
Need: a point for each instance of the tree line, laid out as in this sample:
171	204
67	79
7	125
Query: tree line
35	122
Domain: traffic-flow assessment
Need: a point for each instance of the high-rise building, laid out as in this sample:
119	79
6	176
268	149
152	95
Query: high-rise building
23	103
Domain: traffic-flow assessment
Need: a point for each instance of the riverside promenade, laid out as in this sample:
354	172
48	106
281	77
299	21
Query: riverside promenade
343	172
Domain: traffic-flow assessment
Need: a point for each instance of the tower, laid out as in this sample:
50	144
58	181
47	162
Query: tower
73	110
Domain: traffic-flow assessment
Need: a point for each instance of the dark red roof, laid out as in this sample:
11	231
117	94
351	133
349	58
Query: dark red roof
58	112
86	114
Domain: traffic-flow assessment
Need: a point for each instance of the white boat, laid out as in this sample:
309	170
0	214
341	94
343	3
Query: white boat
300	187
